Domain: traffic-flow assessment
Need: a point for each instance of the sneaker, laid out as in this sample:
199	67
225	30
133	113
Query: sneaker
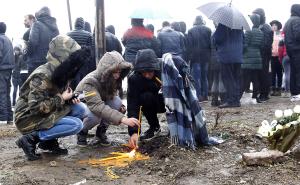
227	105
295	98
150	134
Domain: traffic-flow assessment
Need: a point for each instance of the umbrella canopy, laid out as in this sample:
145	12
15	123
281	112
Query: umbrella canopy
149	13
225	14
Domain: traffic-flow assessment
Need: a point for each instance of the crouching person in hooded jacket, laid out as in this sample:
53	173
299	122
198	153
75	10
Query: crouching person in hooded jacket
103	106
143	91
45	109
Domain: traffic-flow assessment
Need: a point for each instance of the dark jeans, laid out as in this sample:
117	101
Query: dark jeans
152	104
251	75
276	67
295	72
264	75
6	113
199	73
231	76
287	72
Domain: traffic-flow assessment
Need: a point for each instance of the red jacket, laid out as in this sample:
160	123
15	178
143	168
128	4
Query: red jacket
281	49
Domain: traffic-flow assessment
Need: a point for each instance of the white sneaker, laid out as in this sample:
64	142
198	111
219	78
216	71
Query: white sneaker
295	98
3	122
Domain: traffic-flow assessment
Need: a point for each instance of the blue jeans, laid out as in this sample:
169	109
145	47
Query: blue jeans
91	120
287	72
199	72
68	125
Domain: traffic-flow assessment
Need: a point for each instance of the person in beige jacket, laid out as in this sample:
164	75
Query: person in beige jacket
103	106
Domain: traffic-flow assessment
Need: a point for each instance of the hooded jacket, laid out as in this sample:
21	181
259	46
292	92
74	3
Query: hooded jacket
267	31
40	104
252	45
199	42
82	37
91	83
41	33
146	60
6	53
292	30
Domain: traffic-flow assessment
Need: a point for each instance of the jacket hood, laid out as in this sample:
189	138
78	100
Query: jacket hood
199	20
255	18
146	60
110	62
79	23
295	10
60	49
45	11
44	16
261	13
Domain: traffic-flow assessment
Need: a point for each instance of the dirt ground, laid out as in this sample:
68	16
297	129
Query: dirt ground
167	165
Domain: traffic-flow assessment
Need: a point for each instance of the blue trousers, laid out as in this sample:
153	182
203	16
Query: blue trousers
199	72
68	125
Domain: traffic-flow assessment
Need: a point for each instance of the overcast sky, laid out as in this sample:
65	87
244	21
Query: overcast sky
117	11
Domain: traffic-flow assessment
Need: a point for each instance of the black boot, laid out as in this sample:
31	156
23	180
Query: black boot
52	146
28	144
100	137
215	102
82	138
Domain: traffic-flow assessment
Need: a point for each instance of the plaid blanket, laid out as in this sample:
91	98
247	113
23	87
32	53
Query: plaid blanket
184	114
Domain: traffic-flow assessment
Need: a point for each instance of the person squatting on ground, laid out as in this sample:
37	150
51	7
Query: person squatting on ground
104	107
6	66
143	90
45	110
252	64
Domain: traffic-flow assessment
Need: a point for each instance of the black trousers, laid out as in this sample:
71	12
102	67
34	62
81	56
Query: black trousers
251	75
276	68
231	76
295	72
6	113
152	104
264	75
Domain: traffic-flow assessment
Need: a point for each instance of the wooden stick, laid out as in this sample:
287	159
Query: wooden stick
158	80
140	120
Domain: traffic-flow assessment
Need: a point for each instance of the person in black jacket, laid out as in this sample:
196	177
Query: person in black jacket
41	33
143	90
266	54
112	42
199	52
292	41
83	38
6	66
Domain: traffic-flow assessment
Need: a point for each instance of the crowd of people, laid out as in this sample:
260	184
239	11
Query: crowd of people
63	91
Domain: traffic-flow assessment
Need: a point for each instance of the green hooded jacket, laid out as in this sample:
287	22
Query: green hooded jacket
40	104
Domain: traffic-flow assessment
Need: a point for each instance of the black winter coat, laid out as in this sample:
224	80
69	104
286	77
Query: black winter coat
138	85
292	30
112	43
199	44
41	33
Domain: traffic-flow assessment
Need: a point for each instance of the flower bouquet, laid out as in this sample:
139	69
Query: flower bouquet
283	131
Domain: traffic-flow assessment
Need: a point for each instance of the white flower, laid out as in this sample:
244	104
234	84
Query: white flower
297	109
287	112
278	127
278	114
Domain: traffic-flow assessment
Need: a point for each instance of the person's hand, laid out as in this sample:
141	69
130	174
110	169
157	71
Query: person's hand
67	94
123	109
133	141
130	122
75	100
